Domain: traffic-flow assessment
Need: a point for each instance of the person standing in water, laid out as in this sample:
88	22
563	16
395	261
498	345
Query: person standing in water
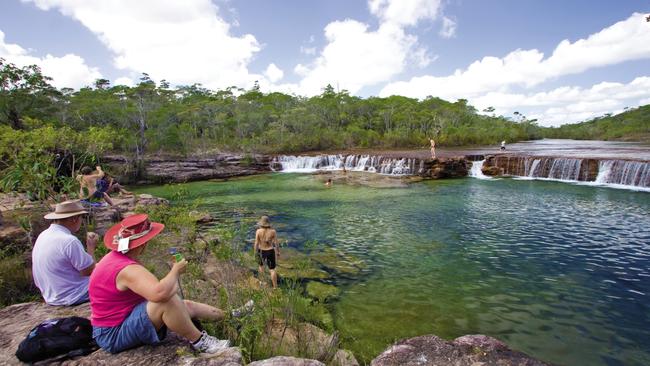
503	145
433	149
266	248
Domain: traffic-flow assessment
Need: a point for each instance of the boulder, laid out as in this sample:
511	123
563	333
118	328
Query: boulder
17	320
344	358
466	350
13	237
286	361
302	340
444	168
491	170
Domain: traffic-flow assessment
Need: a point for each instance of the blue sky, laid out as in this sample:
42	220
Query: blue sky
557	61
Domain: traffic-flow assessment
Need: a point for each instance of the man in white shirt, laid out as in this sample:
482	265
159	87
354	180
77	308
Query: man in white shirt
60	264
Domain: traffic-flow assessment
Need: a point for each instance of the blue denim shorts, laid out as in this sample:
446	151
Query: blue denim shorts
136	330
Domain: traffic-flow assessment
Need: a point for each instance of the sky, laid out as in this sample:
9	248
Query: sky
557	61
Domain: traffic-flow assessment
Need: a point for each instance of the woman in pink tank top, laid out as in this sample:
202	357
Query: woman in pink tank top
131	307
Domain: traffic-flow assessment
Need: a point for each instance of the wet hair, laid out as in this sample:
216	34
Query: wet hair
86	170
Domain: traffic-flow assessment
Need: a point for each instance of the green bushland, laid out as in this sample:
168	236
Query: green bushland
154	118
631	125
16	285
38	121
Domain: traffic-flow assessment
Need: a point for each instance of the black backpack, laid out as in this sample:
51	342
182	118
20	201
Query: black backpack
69	337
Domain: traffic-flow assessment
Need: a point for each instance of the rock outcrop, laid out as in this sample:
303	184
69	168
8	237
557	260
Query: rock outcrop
286	361
466	350
17	320
445	168
177	170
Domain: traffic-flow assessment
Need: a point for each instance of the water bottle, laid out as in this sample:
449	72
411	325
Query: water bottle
174	253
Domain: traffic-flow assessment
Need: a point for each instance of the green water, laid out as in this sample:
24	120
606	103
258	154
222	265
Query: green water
555	270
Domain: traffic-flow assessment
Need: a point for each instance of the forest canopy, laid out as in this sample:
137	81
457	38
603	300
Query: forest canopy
153	117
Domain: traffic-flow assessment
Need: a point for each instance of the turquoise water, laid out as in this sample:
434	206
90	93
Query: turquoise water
559	271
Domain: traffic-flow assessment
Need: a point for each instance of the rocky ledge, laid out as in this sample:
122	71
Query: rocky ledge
185	169
466	350
17	320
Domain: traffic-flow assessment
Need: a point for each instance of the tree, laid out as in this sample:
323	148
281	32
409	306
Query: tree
25	92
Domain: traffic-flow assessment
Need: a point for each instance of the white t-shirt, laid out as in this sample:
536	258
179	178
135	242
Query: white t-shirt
57	258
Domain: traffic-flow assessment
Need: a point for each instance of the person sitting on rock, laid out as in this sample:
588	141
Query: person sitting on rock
60	265
131	307
266	248
92	187
114	186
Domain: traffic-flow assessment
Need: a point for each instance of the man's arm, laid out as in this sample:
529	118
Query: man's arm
139	280
276	244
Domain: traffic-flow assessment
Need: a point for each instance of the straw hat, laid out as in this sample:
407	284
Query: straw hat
137	228
66	209
264	222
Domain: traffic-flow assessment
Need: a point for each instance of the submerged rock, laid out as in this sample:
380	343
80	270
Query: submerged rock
295	265
339	262
465	350
322	292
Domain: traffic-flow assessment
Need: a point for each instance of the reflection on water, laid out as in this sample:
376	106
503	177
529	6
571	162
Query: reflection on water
558	271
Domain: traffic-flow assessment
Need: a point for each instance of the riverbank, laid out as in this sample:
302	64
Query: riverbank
293	322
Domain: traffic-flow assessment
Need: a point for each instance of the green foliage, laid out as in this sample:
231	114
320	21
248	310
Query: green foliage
633	125
15	280
189	119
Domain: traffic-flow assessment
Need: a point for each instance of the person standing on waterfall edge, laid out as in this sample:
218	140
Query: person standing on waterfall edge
433	148
266	248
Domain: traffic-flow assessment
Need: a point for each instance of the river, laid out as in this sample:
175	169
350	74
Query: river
559	271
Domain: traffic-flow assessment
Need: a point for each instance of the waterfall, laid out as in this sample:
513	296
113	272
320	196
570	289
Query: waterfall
618	173
373	164
565	169
476	171
627	173
533	168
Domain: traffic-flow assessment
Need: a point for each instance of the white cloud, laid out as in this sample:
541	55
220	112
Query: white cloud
183	42
624	41
67	71
570	104
355	57
126	81
273	73
491	77
448	29
404	12
308	50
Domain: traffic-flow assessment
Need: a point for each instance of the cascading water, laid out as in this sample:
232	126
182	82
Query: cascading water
476	170
615	173
628	173
378	164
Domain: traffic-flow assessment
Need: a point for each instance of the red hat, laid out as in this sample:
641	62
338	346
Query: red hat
137	228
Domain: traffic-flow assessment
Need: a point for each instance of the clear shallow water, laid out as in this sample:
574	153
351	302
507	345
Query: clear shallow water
561	272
